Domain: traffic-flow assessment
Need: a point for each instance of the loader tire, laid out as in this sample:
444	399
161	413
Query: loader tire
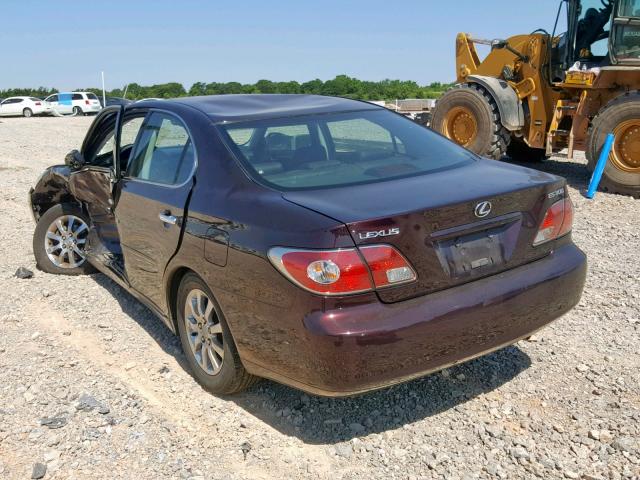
468	115
621	116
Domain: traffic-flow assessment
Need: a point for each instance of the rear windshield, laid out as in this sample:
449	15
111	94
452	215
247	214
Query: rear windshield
34	99
92	96
328	150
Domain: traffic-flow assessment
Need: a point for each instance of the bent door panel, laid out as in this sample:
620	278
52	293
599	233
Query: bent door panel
158	182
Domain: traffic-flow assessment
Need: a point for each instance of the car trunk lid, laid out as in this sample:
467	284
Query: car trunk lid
439	221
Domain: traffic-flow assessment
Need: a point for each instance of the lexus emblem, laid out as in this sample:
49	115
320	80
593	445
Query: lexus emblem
482	209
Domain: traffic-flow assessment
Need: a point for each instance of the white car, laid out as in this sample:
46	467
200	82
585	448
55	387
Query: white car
23	106
77	103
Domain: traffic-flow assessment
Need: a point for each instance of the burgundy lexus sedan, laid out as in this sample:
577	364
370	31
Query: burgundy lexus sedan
329	244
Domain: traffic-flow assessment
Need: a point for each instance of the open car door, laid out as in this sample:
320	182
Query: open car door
93	182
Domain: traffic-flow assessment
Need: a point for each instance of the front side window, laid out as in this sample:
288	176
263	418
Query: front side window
320	151
130	129
594	23
164	152
52	98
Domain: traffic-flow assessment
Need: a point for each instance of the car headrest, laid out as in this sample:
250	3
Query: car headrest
312	153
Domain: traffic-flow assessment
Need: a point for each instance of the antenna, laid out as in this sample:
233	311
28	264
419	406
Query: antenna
104	95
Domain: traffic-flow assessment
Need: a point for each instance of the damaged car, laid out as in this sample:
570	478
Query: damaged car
328	244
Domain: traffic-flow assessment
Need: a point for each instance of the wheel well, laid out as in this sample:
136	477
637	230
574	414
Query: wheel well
41	207
172	293
506	98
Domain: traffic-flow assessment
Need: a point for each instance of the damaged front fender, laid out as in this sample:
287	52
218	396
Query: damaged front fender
51	189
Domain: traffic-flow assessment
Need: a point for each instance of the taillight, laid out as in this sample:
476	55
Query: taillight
87	102
38	103
387	266
557	221
342	271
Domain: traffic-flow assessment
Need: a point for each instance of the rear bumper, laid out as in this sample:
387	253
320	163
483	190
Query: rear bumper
353	347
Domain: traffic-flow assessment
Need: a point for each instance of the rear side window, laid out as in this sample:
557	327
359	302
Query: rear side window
626	45
329	150
76	96
164	152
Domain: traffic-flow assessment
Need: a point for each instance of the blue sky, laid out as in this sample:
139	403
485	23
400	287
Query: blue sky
65	44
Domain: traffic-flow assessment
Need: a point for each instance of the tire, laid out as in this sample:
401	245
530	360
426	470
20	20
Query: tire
519	151
70	216
229	376
471	106
27	113
620	116
77	111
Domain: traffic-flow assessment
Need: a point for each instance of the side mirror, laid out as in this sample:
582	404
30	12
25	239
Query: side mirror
74	159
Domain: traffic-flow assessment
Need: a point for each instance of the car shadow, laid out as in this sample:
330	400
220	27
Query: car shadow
154	327
319	420
574	171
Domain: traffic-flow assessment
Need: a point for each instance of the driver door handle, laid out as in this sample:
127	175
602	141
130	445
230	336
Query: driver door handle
167	219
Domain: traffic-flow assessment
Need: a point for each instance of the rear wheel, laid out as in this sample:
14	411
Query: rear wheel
207	341
621	116
468	115
77	111
27	112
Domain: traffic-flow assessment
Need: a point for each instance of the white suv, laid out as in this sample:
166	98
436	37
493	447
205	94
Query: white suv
78	103
25	106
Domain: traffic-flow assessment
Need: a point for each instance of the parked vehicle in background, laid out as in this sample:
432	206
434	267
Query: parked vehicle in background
325	243
77	103
23	106
111	101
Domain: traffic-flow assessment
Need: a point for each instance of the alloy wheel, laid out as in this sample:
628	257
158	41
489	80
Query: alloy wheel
625	154
460	126
204	332
65	240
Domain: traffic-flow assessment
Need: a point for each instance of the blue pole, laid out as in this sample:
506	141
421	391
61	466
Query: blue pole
602	162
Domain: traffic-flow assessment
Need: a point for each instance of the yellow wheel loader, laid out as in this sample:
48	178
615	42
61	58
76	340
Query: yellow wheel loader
534	95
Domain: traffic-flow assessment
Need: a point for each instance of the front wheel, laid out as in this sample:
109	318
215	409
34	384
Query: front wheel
60	239
468	115
206	340
27	113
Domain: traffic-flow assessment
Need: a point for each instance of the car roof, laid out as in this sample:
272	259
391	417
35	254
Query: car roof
244	107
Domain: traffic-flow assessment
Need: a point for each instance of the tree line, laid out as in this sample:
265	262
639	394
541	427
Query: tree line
342	86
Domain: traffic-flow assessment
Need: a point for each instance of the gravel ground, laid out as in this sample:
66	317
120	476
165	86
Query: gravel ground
93	386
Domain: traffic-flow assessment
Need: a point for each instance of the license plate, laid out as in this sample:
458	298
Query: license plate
481	251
